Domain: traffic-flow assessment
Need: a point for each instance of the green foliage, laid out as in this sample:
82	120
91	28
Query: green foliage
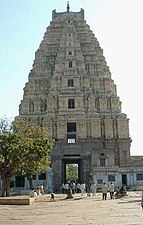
24	149
13	151
38	157
71	172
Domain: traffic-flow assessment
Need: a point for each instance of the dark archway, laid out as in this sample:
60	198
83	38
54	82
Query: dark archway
72	159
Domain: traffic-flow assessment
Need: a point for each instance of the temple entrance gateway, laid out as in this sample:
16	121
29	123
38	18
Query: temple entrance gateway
66	155
76	162
70	93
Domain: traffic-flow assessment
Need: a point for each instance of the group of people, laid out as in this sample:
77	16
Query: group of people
79	188
39	190
106	189
115	191
75	187
82	188
89	189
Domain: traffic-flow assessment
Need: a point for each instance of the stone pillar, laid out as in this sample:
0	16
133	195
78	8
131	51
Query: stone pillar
57	173
49	180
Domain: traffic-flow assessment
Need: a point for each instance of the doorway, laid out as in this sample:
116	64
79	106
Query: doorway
72	169
72	172
124	179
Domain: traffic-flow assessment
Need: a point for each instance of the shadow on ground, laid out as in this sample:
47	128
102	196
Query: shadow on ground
131	201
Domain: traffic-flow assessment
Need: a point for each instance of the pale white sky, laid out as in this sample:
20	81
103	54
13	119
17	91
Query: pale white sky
118	26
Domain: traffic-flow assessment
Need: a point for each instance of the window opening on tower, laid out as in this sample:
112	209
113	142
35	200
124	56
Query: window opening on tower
71	104
70	64
70	82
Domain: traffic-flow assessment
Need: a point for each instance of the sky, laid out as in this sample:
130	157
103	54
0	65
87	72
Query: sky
117	25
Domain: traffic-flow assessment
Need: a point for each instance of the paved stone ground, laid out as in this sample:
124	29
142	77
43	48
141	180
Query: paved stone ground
81	210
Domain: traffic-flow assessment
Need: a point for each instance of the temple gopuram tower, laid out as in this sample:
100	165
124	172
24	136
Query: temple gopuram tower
70	92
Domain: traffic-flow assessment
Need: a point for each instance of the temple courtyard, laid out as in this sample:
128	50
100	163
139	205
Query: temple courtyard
80	210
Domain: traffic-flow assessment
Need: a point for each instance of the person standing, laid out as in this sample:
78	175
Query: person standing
66	187
73	187
78	187
63	188
42	189
111	190
82	189
38	190
104	191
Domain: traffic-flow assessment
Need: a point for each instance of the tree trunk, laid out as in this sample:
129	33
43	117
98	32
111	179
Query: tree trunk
5	186
30	178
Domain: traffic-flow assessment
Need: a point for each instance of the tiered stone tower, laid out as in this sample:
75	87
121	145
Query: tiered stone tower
71	93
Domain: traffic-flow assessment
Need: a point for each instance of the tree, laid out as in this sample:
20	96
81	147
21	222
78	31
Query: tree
39	156
13	151
5	125
72	172
24	149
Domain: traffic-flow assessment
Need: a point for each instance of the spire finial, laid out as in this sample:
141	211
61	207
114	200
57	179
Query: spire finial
68	7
